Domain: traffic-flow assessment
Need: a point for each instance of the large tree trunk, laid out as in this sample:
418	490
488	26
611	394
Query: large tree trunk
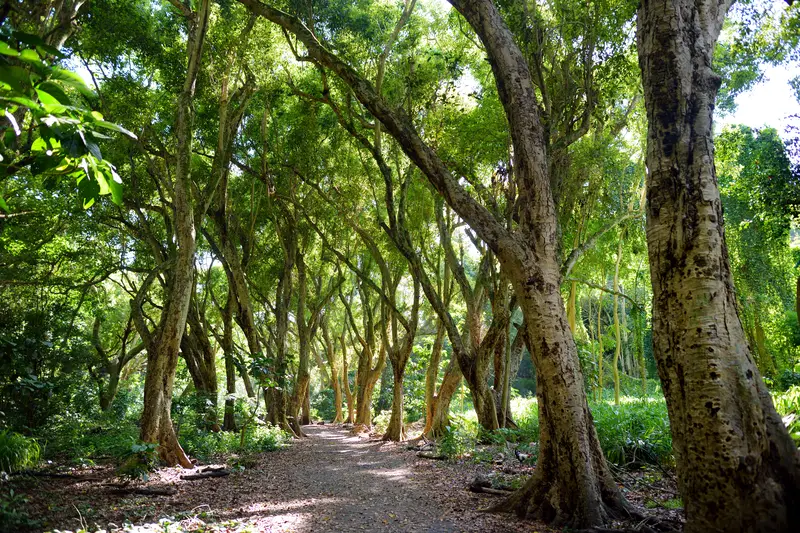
229	420
441	406
303	333
348	391
432	376
162	352
395	431
275	394
738	470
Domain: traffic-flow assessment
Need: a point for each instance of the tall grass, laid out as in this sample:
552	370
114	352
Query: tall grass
787	404
17	451
634	433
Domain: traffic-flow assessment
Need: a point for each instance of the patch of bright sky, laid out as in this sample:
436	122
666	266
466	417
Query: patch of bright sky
768	104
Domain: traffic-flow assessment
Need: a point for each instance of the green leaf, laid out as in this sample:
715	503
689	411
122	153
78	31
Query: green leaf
4	205
27	102
73	80
30	56
5	49
36	41
15	77
115	127
47	99
56	92
94	150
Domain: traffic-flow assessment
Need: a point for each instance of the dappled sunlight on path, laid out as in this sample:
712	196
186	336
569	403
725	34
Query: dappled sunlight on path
330	482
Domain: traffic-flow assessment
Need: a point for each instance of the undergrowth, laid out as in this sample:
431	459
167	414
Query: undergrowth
787	404
17	452
635	433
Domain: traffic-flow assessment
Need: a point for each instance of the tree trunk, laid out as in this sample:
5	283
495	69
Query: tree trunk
229	420
600	359
303	333
395	431
348	391
432	376
738	469
201	361
276	395
162	351
617	334
336	380
305	419
441	411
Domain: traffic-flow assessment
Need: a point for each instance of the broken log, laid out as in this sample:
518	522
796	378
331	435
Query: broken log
146	491
206	474
431	455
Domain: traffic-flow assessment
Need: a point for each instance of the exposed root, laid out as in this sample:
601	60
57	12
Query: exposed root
542	501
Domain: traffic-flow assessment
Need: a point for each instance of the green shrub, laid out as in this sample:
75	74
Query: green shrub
206	445
459	437
635	432
140	460
381	422
13	515
17	451
788	406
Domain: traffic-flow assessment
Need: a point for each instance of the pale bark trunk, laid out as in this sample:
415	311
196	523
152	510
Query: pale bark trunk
303	333
738	469
276	395
229	419
441	406
432	376
617	334
395	431
336	380
162	353
348	391
600	358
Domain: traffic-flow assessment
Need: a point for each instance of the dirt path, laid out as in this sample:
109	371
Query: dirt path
331	482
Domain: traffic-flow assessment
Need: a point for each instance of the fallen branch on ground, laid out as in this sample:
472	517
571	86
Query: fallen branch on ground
146	491
206	474
431	455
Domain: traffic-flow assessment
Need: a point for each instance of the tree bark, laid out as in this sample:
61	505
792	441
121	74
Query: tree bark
336	380
441	406
738	469
617	333
303	333
162	351
348	391
432	376
229	420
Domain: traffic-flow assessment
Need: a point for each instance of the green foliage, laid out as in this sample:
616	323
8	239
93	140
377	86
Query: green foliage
634	433
788	406
67	133
459	437
13	515
207	445
322	403
139	461
17	451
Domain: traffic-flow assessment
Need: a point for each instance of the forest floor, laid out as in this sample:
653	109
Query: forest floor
332	481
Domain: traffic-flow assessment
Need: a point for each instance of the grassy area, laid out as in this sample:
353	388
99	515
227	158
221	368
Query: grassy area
634	433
